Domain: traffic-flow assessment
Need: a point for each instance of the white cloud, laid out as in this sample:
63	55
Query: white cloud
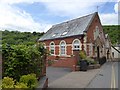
117	7
109	19
78	8
71	8
15	18
16	1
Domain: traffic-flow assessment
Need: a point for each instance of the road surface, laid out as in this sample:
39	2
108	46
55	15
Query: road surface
54	73
107	77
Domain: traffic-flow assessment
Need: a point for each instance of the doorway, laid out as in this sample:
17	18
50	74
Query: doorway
98	52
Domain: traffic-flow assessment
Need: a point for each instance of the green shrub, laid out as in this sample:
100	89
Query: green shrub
82	55
21	85
78	63
50	62
8	82
21	60
30	80
91	61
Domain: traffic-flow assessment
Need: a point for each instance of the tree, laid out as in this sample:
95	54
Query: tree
20	60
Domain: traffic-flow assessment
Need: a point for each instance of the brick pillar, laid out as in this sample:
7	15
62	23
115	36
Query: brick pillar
76	58
76	55
44	68
82	41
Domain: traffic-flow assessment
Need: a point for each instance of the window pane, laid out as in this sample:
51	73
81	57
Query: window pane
52	51
76	44
62	48
52	48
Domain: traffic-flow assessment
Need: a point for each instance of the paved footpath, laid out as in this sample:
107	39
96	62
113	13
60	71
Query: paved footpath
74	79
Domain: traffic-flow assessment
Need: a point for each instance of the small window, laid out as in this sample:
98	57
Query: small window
53	35
96	32
76	45
52	48
64	33
62	48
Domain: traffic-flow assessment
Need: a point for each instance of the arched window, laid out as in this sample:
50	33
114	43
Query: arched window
76	44
63	48
52	48
96	32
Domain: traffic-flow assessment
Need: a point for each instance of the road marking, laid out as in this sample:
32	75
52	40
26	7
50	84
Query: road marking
113	83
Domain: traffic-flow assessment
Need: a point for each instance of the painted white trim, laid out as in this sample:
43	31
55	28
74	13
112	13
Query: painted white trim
60	48
85	44
63	55
50	47
73	43
85	37
69	45
59	45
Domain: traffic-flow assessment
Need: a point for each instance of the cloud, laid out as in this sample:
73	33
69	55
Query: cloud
71	8
117	7
78	8
14	18
109	19
16	1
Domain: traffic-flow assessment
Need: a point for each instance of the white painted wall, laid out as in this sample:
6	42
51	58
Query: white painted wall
116	54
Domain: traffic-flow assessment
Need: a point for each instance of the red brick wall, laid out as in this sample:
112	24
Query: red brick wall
69	40
90	32
92	27
69	50
57	50
68	43
65	62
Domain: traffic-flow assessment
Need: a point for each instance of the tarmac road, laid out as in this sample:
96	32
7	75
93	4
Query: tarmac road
107	77
54	73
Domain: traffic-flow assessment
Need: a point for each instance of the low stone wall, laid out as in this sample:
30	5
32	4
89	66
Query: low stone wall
96	66
77	68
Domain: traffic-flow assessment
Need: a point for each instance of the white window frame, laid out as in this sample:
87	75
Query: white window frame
73	44
64	49
96	32
90	49
52	48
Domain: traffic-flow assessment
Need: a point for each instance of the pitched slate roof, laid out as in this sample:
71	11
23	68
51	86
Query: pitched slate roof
69	28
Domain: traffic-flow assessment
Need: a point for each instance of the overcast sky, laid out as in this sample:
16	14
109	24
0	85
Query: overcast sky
40	15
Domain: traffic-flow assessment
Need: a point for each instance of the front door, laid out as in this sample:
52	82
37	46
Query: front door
98	52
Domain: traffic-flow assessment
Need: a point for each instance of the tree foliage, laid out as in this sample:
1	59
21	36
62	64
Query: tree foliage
16	37
20	60
114	33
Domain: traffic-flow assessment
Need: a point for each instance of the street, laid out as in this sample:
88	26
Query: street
54	73
107	76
